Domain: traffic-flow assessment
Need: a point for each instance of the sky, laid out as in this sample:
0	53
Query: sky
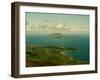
48	22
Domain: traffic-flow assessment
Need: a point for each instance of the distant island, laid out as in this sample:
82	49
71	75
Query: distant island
56	35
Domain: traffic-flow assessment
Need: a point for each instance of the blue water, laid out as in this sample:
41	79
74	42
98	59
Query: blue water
78	41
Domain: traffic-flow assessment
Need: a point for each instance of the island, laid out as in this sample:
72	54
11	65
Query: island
37	55
56	35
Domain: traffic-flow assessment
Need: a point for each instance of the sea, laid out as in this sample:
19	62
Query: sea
79	41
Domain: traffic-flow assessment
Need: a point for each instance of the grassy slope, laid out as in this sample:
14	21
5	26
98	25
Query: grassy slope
49	56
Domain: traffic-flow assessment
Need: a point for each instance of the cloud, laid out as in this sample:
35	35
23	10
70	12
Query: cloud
60	27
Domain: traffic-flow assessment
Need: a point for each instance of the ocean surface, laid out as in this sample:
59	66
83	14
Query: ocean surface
78	41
